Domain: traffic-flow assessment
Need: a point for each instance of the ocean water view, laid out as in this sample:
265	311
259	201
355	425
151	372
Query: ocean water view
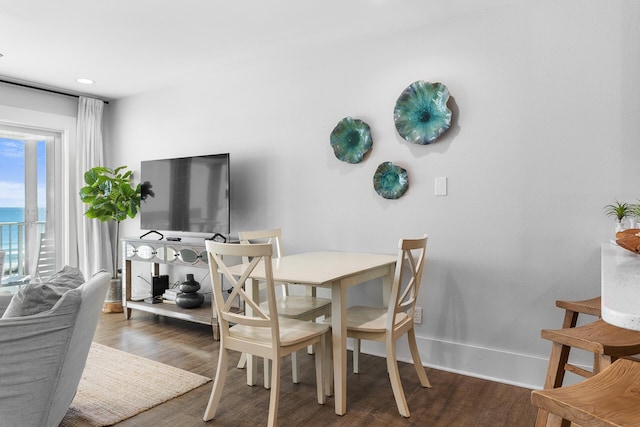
11	234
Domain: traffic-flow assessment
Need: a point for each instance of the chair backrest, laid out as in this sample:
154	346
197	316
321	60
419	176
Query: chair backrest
407	278
273	237
227	315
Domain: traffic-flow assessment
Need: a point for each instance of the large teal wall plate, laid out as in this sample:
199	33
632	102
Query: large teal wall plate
390	181
351	139
421	114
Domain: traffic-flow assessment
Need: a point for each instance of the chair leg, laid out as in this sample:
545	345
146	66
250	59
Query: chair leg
267	375
321	365
602	362
218	385
570	319
356	355
394	377
545	419
557	361
328	374
275	391
541	418
417	363
295	370
557	421
243	361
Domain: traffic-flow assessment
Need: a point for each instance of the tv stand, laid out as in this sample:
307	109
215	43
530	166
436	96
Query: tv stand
192	254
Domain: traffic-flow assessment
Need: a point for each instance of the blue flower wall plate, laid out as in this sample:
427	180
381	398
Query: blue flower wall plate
390	181
421	112
351	139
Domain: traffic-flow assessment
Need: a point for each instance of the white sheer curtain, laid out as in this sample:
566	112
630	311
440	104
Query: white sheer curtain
94	243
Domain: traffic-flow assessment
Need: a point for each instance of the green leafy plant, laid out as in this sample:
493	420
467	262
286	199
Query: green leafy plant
619	210
635	210
111	197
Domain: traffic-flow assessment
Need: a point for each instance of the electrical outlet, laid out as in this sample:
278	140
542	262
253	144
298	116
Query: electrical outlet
417	315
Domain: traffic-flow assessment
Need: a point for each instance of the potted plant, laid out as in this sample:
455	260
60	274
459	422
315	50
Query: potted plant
635	213
620	211
111	197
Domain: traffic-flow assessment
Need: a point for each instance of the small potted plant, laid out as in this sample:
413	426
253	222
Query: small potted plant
635	215
111	197
620	211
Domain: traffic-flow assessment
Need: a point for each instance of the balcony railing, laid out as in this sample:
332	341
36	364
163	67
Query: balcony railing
13	242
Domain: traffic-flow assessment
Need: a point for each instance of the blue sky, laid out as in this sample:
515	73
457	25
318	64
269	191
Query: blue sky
12	173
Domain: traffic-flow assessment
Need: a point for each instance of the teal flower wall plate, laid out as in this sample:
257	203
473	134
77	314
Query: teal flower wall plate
421	114
390	181
351	139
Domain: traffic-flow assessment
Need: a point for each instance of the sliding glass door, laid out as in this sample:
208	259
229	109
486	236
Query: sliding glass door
27	196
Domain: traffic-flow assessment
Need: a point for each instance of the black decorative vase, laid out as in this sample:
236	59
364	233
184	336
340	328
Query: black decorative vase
189	298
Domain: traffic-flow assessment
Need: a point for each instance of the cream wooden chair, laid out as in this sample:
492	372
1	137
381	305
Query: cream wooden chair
301	307
262	334
388	324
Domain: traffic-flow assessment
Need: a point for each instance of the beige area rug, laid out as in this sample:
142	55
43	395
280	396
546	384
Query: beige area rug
116	385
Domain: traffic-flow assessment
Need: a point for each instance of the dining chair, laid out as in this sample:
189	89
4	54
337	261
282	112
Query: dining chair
262	333
307	307
390	323
609	398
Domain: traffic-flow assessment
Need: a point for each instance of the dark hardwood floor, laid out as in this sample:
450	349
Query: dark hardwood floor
453	400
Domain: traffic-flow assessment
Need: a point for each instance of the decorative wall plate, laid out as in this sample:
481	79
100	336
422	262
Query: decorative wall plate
351	139
421	112
390	181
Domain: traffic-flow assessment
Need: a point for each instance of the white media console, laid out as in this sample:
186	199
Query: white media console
158	252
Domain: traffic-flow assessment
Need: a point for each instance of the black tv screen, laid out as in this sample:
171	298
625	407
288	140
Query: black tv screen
188	194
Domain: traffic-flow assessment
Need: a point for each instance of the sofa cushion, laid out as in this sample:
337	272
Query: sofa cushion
35	298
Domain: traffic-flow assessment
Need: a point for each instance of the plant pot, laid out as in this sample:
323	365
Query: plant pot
113	300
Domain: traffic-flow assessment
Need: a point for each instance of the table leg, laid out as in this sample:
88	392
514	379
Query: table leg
339	341
387	282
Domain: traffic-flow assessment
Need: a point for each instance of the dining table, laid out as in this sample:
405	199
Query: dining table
336	271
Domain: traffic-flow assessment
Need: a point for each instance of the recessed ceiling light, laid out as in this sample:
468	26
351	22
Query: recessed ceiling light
85	81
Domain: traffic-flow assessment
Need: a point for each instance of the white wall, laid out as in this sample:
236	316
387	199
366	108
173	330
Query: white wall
545	100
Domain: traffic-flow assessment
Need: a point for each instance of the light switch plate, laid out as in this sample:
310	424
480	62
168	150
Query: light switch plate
441	186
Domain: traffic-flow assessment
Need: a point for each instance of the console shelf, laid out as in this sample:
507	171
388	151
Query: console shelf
171	253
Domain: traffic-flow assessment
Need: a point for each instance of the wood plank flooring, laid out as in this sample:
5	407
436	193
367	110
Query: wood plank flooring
453	400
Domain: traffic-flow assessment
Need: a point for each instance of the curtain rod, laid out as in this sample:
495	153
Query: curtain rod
43	89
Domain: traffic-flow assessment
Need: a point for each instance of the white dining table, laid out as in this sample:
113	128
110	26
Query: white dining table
336	271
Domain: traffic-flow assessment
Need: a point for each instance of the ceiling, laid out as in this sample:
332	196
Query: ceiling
135	46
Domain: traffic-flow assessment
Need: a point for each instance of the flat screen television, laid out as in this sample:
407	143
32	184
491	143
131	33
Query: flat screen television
187	194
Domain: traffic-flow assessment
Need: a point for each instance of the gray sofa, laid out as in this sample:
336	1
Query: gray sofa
42	355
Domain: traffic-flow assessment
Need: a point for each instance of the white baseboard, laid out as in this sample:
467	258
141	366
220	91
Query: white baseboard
501	366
